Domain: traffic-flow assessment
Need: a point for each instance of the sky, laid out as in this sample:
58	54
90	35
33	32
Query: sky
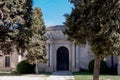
53	10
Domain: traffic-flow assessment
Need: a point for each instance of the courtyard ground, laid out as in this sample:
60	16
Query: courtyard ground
89	76
22	78
61	75
15	76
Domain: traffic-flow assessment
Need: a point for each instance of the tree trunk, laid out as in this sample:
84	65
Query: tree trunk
96	68
36	66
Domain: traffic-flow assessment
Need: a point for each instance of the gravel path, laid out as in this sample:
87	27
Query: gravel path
24	77
20	78
61	75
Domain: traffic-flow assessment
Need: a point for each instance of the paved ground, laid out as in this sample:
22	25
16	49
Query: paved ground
20	78
24	77
62	75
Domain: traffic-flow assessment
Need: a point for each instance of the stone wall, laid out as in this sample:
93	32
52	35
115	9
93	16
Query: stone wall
118	65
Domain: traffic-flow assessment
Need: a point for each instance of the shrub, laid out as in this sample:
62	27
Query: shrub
103	66
83	70
24	67
113	70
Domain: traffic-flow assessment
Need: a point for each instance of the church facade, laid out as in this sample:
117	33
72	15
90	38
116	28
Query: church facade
62	55
68	56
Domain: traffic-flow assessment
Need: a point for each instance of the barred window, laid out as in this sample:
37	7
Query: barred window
7	61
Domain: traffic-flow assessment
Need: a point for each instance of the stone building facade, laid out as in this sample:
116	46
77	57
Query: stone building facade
65	55
62	55
9	62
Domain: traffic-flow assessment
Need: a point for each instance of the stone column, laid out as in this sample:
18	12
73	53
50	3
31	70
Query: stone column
19	58
51	57
118	65
77	58
54	57
73	57
47	56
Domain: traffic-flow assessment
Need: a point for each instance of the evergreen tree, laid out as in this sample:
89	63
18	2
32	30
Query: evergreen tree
18	20
5	38
96	22
36	49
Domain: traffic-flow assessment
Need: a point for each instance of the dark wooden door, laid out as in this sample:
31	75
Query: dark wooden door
62	59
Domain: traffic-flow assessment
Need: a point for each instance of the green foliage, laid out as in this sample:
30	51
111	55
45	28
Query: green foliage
103	66
24	67
15	23
5	37
36	48
96	22
19	11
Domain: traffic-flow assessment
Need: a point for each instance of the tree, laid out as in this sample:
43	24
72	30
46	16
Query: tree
36	48
5	25
17	15
96	22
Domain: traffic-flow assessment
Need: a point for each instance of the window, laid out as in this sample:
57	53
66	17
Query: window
7	61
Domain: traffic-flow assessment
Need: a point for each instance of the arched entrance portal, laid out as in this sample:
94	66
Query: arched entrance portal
62	59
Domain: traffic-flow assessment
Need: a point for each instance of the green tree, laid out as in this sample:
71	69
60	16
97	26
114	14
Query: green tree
36	48
96	22
17	18
5	38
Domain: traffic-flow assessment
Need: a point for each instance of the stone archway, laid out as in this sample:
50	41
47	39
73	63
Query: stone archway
62	59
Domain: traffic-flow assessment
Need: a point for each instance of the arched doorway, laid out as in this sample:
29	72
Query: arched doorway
62	59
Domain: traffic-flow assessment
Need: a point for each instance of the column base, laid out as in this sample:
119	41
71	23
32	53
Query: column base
48	69
41	67
75	69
